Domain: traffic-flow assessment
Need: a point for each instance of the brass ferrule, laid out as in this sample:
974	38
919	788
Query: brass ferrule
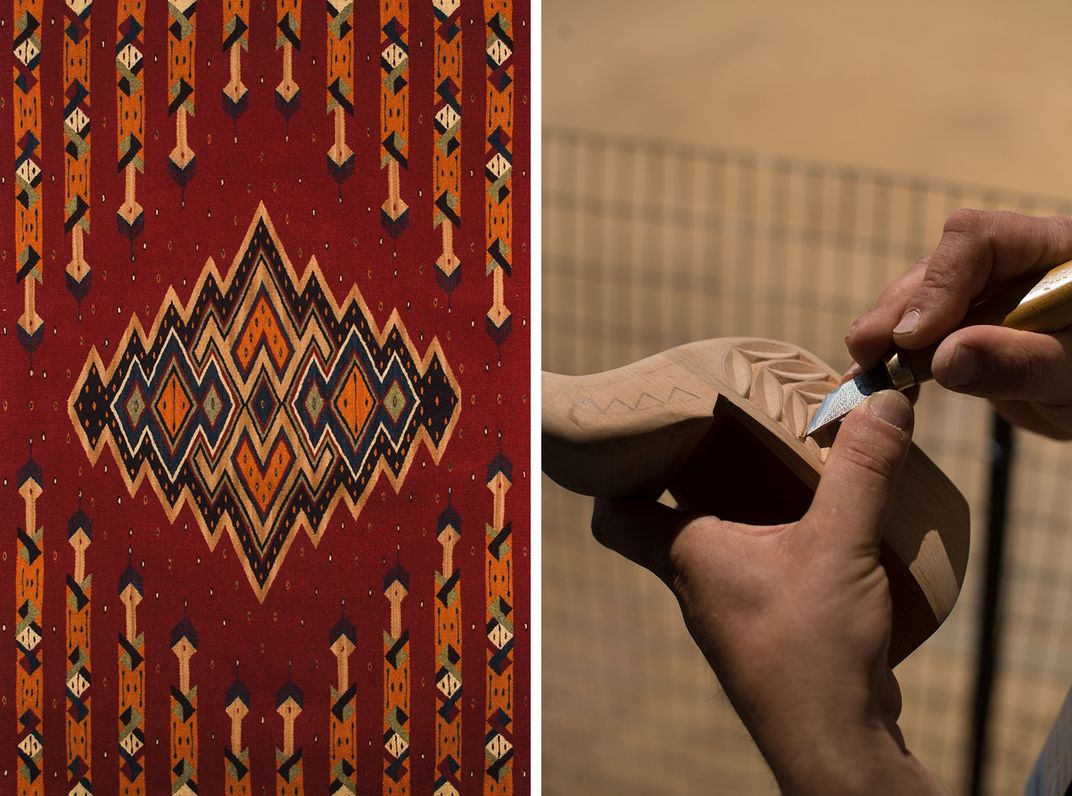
900	374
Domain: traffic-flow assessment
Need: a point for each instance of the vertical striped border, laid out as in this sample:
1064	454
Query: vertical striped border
181	81
76	135
184	712
396	688
340	85
342	735
26	44
130	112
394	110
289	774
236	775
235	40
288	39
498	167
132	669
499	583
447	152
448	652
79	680
29	597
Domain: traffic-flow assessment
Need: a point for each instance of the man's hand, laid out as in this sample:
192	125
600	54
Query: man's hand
795	619
1027	376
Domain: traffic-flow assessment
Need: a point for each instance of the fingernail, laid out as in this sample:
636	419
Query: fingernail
963	367
908	323
891	407
850	374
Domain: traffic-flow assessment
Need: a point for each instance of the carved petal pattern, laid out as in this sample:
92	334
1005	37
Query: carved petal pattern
738	371
762	350
783	383
796	414
767	393
814	391
796	370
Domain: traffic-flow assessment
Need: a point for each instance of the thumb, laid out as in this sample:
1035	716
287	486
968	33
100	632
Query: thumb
854	496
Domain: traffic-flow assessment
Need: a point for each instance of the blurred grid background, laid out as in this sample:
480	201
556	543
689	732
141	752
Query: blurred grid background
649	244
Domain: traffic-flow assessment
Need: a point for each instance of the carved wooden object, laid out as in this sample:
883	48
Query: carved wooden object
719	423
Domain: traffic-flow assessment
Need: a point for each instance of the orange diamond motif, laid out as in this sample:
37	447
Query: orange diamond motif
262	329
263	479
354	401
173	405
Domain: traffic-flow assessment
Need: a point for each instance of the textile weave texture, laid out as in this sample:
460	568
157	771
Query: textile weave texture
264	397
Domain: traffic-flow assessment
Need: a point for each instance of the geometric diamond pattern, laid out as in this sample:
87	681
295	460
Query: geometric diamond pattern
263	402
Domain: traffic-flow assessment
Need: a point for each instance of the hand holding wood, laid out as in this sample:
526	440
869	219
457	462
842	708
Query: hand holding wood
719	423
795	618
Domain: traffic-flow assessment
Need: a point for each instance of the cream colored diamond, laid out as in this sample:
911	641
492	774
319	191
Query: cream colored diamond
28	638
499	636
447	117
30	745
27	51
498	165
394	55
498	51
446	789
28	171
498	746
396	745
78	684
130	56
448	685
131	744
76	119
78	6
447	7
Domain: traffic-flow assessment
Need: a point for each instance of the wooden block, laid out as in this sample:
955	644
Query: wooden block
719	423
1052	775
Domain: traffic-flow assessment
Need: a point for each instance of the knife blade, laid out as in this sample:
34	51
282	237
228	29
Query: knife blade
1027	303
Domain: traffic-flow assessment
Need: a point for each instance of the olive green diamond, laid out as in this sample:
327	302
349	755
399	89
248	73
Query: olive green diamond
135	406
212	404
395	401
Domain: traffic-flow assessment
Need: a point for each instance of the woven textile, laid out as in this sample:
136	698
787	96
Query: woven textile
264	397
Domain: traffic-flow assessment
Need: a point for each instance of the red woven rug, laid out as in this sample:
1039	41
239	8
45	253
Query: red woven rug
264	397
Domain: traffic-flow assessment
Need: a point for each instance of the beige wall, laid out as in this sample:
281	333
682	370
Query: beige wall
969	91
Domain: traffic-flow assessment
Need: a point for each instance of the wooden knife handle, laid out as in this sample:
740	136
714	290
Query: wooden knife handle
1028	303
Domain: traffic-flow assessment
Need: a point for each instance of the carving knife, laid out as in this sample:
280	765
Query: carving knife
1028	303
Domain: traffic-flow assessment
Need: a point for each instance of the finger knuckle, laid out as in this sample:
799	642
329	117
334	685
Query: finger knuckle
864	453
940	278
1029	371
